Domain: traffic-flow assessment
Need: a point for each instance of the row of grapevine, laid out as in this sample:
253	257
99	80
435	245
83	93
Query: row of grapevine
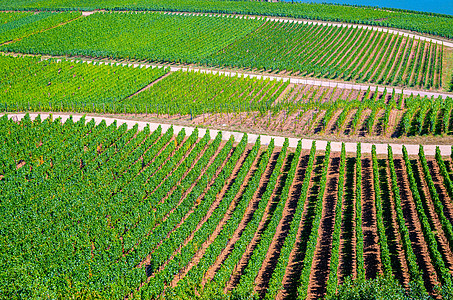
429	235
197	273
141	213
332	281
181	258
276	280
411	259
226	270
307	268
16	25
438	206
383	245
425	22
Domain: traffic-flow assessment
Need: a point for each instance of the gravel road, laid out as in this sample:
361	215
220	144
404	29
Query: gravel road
265	139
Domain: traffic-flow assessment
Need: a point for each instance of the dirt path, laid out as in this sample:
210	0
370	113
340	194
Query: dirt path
295	263
250	210
371	250
413	225
321	261
321	145
273	253
242	264
347	260
149	85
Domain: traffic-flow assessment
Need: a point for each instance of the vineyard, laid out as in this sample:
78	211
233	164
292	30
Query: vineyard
138	213
21	24
216	193
149	36
292	48
31	82
334	52
429	23
245	103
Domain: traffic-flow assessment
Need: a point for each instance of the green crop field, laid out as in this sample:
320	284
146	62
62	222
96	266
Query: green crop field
32	82
331	52
21	24
337	52
108	212
411	20
142	36
303	191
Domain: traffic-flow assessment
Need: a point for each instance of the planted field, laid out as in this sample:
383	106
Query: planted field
141	36
435	24
194	93
311	50
16	25
139	213
311	110
31	82
337	53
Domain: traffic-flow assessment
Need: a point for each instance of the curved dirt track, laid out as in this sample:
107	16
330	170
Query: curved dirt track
412	149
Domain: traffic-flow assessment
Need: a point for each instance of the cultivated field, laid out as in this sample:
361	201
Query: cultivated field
148	213
96	211
310	50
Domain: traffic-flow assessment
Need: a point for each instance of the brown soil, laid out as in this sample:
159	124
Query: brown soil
412	59
273	253
442	241
330	127
346	129
381	56
371	250
395	244
208	214
370	55
347	53
347	260
397	52
250	210
361	129
295	263
237	272
196	259
394	120
440	188
413	225
417	77
150	85
399	64
321	261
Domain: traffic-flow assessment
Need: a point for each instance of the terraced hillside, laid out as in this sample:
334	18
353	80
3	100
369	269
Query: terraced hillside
147	213
297	48
246	103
